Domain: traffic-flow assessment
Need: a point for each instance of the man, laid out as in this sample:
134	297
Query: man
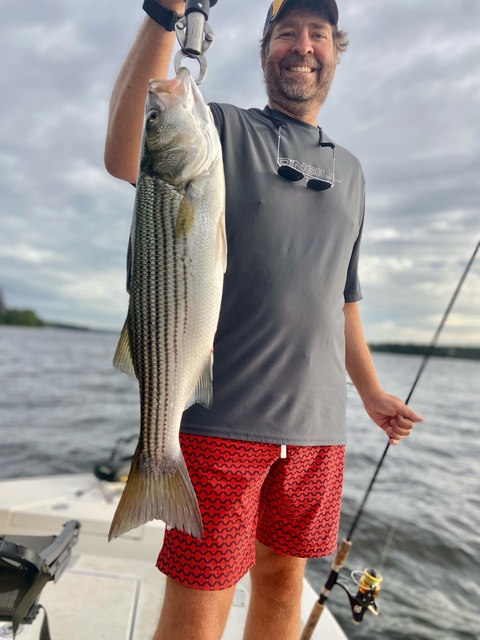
267	459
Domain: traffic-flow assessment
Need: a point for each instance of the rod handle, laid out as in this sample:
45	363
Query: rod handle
312	621
342	552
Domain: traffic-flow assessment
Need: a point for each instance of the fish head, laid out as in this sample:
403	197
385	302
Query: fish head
180	140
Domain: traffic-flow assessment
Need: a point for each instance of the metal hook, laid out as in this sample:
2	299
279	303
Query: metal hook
202	61
194	36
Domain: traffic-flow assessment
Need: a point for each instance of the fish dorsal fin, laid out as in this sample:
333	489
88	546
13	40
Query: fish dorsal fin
203	392
187	212
122	360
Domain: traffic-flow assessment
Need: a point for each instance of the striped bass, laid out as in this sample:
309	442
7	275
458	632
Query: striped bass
176	267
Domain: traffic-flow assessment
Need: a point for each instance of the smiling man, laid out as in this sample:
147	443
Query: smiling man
298	77
267	458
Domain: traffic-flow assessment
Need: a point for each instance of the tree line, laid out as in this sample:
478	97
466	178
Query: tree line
18	317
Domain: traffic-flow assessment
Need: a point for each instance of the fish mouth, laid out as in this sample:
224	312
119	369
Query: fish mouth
165	92
170	85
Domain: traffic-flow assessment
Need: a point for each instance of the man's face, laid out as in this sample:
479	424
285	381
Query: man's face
300	62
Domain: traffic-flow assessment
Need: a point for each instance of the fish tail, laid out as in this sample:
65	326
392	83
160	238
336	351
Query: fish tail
167	496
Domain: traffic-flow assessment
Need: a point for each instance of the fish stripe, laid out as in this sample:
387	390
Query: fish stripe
165	374
158	323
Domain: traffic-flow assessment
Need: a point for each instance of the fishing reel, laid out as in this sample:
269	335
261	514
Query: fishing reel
368	586
111	473
117	467
194	35
113	470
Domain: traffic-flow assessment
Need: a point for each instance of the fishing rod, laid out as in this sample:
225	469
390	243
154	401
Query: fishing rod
369	582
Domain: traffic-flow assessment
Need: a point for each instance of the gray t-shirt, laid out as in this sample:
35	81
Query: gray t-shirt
279	352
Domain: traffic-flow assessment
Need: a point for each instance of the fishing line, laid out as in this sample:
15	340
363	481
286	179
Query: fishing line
360	603
388	542
428	353
426	358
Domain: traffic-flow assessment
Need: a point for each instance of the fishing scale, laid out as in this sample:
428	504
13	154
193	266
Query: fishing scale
194	35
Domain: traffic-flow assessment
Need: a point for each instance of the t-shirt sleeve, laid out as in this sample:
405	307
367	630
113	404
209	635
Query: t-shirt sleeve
353	290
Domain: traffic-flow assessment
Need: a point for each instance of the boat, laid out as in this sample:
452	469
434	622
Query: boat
108	590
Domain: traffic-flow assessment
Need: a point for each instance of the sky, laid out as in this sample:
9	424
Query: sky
405	101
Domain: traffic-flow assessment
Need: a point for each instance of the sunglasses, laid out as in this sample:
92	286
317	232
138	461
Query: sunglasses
293	171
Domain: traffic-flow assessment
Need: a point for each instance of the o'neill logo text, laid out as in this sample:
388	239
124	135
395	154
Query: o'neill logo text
308	170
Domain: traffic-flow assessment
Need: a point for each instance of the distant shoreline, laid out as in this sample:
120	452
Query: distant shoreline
466	353
29	318
59	325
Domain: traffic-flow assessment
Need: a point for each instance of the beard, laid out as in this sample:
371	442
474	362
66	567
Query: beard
298	94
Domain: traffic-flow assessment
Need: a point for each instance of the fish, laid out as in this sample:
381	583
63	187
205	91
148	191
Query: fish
176	265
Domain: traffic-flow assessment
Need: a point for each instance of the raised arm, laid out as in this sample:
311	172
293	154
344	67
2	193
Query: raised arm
148	58
389	412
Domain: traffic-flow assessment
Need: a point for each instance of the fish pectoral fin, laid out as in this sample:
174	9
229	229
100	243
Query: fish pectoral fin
187	211
123	360
129	263
203	392
222	242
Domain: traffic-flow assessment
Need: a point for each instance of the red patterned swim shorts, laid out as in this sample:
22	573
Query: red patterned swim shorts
247	492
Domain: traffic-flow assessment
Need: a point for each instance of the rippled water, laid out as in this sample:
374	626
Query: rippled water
62	407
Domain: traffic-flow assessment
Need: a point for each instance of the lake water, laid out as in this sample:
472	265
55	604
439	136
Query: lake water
63	406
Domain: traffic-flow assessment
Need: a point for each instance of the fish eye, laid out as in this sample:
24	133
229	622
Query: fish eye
152	115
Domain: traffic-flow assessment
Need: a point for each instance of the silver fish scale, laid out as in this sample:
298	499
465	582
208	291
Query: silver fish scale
158	310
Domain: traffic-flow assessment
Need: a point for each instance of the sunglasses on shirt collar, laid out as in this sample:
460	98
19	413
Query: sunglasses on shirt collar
293	170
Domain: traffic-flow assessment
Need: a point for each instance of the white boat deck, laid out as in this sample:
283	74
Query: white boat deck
111	590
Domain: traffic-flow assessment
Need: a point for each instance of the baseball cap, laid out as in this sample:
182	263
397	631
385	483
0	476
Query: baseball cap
278	5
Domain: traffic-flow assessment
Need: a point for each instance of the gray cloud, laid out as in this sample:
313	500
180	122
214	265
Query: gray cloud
405	100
